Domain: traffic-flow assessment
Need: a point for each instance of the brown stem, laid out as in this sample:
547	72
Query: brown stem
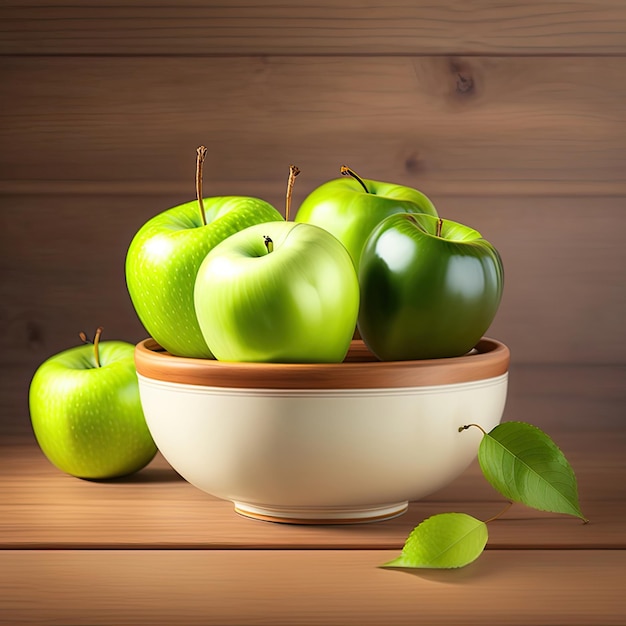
462	428
439	227
293	172
346	171
502	512
201	153
96	343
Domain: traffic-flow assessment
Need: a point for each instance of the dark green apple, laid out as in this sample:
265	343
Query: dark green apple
430	288
351	207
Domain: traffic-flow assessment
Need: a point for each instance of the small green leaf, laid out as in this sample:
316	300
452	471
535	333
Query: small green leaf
525	465
447	540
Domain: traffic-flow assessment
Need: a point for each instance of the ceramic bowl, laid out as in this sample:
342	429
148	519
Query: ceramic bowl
321	443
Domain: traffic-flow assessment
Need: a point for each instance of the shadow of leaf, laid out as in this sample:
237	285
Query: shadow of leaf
481	569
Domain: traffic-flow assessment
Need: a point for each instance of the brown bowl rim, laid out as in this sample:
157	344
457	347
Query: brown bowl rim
361	370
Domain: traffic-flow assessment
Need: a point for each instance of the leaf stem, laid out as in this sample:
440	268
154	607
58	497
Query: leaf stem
293	172
439	227
201	153
462	428
346	171
502	512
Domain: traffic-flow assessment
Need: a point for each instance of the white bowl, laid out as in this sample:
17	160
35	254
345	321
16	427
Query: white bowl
321	443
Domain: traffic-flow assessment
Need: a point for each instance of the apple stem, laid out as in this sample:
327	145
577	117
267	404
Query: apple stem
439	227
293	172
502	512
96	343
269	244
462	428
201	153
346	171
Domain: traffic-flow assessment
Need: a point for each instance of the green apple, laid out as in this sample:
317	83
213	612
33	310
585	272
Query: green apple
278	292
351	207
164	257
86	413
430	288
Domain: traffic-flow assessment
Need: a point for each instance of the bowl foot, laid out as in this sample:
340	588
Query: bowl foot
322	515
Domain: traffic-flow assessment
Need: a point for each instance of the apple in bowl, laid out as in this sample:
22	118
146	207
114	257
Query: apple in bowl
429	288
278	292
164	256
351	207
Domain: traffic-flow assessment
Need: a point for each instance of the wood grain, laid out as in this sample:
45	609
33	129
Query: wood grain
310	587
324	27
471	125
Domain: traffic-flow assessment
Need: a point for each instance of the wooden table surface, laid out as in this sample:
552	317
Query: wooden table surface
152	549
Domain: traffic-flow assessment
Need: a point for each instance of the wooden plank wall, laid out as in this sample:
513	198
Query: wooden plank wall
511	116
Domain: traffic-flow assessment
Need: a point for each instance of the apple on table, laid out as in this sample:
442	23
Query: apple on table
430	288
165	254
86	412
351	207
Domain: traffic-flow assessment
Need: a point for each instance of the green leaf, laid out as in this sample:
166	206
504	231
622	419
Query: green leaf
447	540
525	465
